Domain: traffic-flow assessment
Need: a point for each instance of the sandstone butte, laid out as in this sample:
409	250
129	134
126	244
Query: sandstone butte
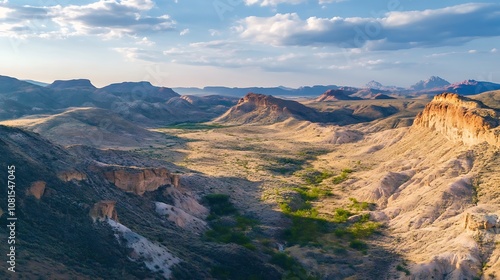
461	119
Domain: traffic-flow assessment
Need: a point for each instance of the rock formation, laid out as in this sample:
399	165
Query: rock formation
37	189
475	221
461	119
70	175
139	180
103	210
260	108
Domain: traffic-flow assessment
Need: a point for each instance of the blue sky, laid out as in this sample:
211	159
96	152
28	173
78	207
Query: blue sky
250	42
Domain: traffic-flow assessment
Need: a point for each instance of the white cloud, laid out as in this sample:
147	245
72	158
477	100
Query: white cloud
184	32
274	3
134	54
105	18
396	30
146	42
214	32
494	50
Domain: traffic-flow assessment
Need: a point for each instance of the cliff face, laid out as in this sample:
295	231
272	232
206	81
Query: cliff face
139	181
260	108
70	175
37	189
104	209
461	119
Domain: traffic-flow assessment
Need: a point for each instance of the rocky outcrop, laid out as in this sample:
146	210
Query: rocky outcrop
461	119
37	189
475	221
180	217
103	210
70	175
139	180
80	84
267	109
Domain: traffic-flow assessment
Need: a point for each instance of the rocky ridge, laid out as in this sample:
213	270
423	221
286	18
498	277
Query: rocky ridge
461	119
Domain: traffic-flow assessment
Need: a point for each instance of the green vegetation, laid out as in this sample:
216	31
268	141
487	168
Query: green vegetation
359	206
293	269
358	245
219	205
342	177
312	176
341	215
402	268
313	193
228	226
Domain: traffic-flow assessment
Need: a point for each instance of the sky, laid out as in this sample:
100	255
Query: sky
242	43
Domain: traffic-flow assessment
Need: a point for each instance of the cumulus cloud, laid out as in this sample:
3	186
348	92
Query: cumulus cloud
106	18
396	30
184	32
273	2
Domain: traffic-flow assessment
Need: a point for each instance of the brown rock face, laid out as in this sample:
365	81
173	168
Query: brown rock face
461	119
139	181
37	189
104	209
260	108
480	222
67	176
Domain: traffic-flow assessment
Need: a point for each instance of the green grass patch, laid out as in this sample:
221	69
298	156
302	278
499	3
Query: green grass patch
341	215
309	194
358	245
360	206
312	176
293	269
227	225
342	176
402	268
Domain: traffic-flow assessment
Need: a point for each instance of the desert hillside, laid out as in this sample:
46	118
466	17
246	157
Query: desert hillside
271	188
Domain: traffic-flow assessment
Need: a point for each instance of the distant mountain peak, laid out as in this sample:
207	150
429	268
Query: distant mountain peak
374	84
72	84
432	82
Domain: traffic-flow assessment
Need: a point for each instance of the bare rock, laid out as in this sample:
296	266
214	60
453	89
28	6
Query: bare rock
70	175
37	189
461	119
103	210
476	221
139	180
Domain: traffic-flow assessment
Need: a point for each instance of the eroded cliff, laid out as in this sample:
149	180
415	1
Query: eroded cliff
461	119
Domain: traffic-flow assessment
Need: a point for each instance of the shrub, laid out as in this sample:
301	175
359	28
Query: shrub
358	245
219	205
341	215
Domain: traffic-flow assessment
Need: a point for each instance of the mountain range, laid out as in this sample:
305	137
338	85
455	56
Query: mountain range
134	181
431	86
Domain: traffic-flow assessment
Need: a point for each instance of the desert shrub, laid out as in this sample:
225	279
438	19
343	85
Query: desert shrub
358	245
363	229
313	193
342	177
359	206
219	205
312	176
341	215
